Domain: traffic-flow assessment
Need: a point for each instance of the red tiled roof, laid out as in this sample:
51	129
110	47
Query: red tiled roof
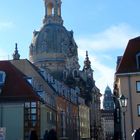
15	88
128	62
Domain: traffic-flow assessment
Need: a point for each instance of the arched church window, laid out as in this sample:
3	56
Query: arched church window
50	9
75	73
59	11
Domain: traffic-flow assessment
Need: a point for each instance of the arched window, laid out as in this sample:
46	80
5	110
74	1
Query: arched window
59	11
50	9
75	73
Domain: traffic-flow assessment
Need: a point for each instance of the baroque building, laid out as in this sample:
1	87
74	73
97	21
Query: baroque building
54	49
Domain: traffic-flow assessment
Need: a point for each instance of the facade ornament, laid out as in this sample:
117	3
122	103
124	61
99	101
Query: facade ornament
16	55
87	63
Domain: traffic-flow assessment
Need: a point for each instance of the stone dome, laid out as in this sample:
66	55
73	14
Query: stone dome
53	47
52	42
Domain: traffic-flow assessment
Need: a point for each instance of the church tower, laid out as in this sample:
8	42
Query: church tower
53	47
108	103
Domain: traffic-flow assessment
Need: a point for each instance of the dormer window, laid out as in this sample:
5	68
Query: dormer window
43	72
138	60
29	80
2	77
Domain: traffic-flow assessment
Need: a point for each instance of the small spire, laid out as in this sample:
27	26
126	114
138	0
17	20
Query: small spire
87	63
86	53
16	55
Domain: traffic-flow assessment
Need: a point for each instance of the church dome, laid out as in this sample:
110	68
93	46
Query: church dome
52	42
53	47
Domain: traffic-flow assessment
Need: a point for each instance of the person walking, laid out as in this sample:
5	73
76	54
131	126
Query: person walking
33	135
46	135
136	134
52	135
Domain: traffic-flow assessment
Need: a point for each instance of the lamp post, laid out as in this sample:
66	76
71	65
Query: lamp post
123	103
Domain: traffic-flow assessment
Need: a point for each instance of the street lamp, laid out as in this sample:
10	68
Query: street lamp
123	103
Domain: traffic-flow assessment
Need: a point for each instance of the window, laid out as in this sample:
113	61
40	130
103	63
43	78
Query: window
30	80
31	117
138	86
65	74
138	60
2	77
138	109
75	73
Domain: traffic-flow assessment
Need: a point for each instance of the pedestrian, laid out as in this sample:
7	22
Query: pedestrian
52	135
136	134
33	135
133	134
46	135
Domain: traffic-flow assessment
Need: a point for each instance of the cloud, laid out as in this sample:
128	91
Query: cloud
101	48
3	55
6	25
103	74
115	37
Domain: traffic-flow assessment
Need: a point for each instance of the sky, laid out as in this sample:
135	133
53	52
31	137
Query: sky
102	27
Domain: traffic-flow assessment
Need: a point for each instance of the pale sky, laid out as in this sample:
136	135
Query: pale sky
102	27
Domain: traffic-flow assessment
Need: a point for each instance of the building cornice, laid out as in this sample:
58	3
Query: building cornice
126	74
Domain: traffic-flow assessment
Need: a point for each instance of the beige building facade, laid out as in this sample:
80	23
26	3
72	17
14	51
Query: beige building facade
84	118
41	87
127	82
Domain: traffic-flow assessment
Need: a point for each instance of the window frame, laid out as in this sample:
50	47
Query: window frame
31	117
3	77
138	60
137	89
138	110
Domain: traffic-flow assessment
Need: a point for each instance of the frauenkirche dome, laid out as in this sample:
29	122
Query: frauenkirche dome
53	45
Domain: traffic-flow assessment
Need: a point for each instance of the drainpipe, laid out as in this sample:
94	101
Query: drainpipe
1	115
130	103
